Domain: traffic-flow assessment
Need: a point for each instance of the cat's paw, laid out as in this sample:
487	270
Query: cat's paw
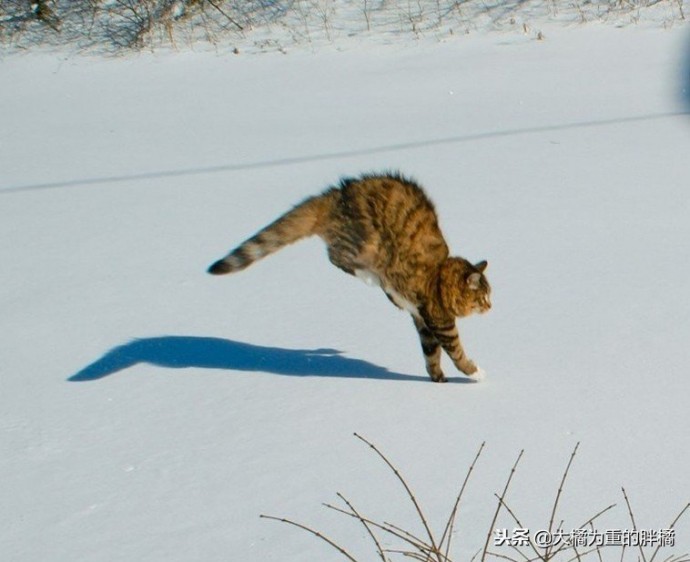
472	371
435	373
437	376
467	366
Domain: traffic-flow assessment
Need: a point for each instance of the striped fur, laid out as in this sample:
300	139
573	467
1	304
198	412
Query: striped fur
300	222
384	229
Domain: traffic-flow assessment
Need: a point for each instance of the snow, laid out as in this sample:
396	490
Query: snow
149	411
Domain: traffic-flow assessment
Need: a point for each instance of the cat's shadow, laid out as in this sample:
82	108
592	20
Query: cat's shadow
180	352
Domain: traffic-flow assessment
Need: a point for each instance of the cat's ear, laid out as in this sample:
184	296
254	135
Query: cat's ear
481	266
473	280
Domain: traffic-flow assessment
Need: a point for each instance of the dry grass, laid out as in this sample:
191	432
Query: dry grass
430	546
122	25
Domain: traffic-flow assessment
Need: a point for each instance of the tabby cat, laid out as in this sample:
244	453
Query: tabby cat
384	229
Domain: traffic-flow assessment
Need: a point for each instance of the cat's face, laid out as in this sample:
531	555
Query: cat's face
464	287
479	289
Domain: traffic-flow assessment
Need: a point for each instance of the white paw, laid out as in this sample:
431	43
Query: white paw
479	374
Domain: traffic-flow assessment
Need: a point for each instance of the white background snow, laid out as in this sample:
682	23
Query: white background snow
207	401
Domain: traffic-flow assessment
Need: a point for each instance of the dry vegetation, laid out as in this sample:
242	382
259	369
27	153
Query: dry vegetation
391	542
117	25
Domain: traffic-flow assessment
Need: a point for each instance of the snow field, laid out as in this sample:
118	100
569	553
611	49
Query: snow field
563	162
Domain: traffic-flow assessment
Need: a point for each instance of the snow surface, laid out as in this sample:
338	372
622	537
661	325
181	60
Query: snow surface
149	411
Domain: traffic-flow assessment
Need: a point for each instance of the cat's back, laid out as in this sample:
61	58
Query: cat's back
398	215
386	196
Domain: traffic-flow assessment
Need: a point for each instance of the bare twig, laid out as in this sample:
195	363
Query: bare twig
313	532
599	514
448	531
422	545
598	546
500	504
407	489
402	535
521	526
558	496
579	556
431	550
502	556
632	518
410	554
590	521
379	550
510	511
230	19
365	9
671	526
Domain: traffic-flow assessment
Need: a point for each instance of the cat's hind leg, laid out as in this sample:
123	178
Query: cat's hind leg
342	259
432	350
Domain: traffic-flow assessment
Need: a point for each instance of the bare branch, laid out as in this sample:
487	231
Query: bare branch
448	531
405	536
502	556
409	554
519	524
558	496
313	532
579	556
422	545
500	504
565	546
407	489
366	526
671	526
632	518
232	21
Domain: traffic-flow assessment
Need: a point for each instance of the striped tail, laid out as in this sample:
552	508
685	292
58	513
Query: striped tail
302	221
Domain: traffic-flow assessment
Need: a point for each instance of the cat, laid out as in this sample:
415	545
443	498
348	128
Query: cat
384	230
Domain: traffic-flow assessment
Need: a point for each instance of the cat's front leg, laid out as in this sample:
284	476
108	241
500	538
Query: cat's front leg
448	337
432	350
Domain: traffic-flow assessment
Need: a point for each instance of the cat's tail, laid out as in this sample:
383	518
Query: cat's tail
304	220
